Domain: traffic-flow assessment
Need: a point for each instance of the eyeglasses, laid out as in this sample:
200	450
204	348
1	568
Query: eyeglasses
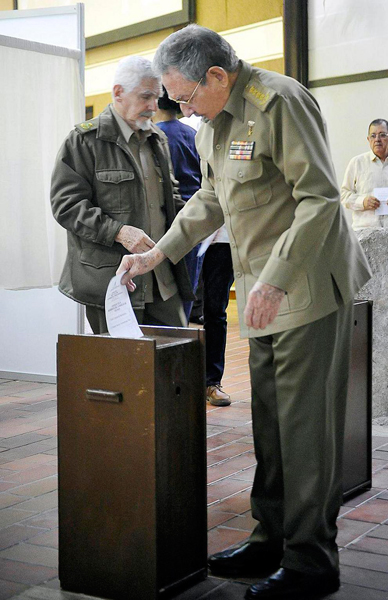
382	136
178	101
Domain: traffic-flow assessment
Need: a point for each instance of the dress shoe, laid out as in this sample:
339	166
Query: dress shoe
287	584
248	560
216	396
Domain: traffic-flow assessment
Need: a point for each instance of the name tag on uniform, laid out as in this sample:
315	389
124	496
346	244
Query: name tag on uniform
241	150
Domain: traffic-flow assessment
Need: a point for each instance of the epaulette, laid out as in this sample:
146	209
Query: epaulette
258	94
87	125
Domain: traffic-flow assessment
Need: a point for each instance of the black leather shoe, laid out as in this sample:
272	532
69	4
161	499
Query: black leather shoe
250	559
287	584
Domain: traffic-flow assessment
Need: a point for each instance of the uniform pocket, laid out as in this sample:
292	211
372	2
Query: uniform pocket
295	299
114	188
249	190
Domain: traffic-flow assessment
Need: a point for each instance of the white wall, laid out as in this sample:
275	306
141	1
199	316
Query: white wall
348	37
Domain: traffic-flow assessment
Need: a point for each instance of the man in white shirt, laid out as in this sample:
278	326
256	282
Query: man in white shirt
364	173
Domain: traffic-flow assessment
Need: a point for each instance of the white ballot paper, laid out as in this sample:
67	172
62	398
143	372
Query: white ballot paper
120	318
382	195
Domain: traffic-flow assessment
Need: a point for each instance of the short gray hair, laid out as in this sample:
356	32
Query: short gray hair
131	71
192	51
376	122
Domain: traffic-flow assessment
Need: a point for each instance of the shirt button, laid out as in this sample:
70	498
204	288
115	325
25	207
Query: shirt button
151	205
218	178
238	274
218	147
240	174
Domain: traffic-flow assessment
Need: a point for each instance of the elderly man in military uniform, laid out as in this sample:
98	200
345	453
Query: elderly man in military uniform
114	191
267	173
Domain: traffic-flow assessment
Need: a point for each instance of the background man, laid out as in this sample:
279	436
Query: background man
185	161
216	263
113	189
364	173
297	267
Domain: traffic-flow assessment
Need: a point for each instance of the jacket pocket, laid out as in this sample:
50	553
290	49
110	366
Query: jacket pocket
114	188
97	257
295	299
248	188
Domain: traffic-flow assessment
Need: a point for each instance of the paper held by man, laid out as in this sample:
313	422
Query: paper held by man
382	195
120	317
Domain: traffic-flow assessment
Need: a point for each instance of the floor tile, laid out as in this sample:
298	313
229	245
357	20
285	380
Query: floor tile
24	573
364	560
9	589
17	533
32	554
375	511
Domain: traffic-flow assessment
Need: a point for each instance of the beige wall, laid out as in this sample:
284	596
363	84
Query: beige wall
6	4
220	15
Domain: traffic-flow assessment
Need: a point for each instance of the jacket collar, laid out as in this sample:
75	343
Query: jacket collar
109	130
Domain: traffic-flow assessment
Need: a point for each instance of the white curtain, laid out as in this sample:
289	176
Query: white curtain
41	99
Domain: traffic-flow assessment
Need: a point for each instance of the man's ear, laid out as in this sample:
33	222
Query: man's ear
117	92
220	74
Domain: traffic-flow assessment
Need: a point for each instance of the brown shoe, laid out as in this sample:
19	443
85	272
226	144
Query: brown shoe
216	396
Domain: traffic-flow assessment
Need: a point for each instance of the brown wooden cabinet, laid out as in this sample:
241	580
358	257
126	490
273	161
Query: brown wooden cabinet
132	463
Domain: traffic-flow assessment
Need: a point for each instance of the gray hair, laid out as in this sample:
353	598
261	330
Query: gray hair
378	122
131	71
192	51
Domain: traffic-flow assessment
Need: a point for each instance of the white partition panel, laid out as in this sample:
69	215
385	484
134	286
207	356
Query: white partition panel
42	99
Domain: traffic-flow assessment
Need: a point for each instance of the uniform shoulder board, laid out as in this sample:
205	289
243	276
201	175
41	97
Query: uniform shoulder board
87	125
258	94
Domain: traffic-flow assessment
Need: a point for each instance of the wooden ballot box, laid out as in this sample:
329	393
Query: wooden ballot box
132	463
357	468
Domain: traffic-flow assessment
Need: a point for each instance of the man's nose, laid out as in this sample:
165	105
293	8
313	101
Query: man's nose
153	104
186	110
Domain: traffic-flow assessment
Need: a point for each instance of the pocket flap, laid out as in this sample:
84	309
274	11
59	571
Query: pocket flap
114	176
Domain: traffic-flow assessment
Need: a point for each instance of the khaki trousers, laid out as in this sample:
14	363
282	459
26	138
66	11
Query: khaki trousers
299	390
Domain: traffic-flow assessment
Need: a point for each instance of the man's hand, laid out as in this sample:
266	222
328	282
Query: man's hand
134	239
137	264
262	305
371	203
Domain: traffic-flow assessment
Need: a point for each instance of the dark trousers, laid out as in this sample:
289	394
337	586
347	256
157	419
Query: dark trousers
194	266
217	273
299	390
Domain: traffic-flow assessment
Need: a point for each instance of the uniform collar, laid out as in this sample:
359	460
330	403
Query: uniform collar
234	105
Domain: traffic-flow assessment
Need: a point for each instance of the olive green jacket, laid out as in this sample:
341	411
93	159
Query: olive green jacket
96	188
282	209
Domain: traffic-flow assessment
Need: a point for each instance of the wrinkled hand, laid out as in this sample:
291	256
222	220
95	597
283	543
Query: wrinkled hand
133	239
262	305
371	203
137	264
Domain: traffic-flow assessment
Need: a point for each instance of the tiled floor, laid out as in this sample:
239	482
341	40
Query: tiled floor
28	498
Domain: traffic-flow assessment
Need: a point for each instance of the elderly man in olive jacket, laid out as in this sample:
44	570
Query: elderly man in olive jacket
114	191
267	173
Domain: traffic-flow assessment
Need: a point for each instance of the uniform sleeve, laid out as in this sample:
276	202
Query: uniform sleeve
349	196
300	151
201	216
72	200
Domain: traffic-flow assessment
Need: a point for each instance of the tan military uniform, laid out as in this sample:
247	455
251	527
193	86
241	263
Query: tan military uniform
268	174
